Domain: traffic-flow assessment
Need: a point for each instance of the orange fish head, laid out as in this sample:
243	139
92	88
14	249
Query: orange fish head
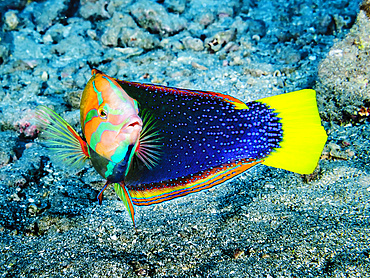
109	117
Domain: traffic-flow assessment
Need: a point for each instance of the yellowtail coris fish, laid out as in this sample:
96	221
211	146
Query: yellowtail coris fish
157	143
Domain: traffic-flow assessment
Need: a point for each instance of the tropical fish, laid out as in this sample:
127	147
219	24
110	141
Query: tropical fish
156	143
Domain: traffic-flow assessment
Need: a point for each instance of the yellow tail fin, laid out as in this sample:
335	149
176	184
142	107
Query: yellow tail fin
303	135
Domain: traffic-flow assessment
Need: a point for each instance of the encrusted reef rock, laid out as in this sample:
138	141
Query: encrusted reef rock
155	19
344	75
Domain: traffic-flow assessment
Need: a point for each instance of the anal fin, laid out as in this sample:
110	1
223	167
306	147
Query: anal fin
155	193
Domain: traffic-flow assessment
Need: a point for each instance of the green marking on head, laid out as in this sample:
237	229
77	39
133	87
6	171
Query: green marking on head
97	134
118	156
110	168
113	111
90	115
136	105
100	97
94	113
116	89
131	156
121	151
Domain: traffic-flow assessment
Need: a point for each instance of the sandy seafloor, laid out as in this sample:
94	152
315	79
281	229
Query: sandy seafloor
265	223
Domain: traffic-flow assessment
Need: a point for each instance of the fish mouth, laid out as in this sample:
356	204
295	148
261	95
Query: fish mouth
134	122
130	131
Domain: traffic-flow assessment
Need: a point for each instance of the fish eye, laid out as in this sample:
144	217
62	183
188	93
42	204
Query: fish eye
103	114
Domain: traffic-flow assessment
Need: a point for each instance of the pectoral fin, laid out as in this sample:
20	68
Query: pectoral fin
60	138
124	195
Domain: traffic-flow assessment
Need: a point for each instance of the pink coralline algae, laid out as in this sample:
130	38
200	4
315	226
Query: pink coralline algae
26	127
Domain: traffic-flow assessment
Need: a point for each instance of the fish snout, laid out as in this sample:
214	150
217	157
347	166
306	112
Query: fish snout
131	129
134	122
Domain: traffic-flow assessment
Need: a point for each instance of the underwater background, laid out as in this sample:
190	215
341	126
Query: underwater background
265	223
